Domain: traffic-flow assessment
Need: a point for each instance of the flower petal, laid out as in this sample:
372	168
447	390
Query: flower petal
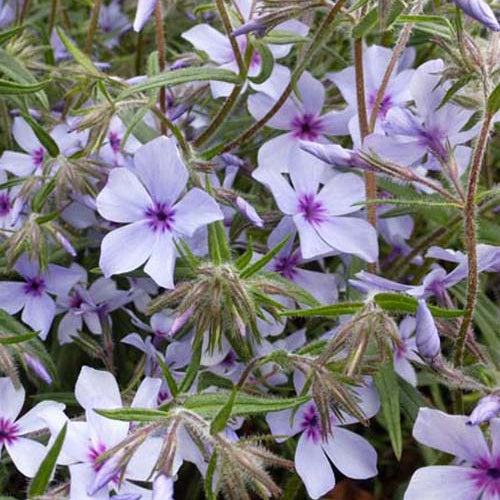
145	9
12	296
26	455
11	399
211	41
97	389
124	198
311	243
340	194
160	265
126	248
313	467
38	313
19	164
24	135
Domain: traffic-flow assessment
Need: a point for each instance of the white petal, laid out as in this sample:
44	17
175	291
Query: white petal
147	393
38	313
126	248
353	455
311	243
11	399
24	135
283	193
26	455
144	459
124	198
211	41
442	482
161	170
313	467
19	164
82	476
450	433
161	264
97	389
312	93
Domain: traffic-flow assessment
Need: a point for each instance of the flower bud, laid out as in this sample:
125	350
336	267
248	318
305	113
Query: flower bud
480	11
38	368
427	336
486	409
109	470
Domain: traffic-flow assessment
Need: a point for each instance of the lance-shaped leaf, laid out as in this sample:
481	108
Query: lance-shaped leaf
13	88
42	477
493	104
396	302
133	414
180	76
220	420
262	262
282	37
332	310
17	339
267	62
388	390
79	56
43	136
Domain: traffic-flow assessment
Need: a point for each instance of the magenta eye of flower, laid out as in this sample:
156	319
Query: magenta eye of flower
161	217
310	423
306	126
286	266
76	301
5	205
494	473
312	209
34	286
93	454
8	431
385	104
114	141
38	155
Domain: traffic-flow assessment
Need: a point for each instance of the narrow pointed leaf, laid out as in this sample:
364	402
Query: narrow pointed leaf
133	414
262	262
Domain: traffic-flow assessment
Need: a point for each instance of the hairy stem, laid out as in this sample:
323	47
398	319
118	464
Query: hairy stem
471	238
94	18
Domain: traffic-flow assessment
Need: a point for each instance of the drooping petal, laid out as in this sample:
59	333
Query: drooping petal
38	313
195	210
353	455
313	467
11	399
124	198
12	296
145	9
161	170
450	433
26	455
442	482
126	248
350	235
340	195
161	264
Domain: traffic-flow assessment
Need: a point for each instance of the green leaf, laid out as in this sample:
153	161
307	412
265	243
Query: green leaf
42	195
17	339
218	245
411	203
82	59
194	365
367	23
267	65
172	384
396	302
411	400
42	478
208	405
434	25
244	259
133	414
6	35
493	104
209	477
44	137
262	262
388	389
332	310
220	420
180	76
12	88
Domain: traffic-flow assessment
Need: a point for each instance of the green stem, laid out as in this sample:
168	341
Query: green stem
311	51
160	43
471	239
93	26
53	15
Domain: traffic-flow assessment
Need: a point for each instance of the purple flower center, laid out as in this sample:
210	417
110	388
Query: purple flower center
486	477
114	141
76	301
37	156
94	453
256	60
312	209
160	217
306	126
8	431
286	266
433	140
5	205
385	105
34	286
310	423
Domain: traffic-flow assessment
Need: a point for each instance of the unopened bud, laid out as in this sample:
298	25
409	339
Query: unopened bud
427	336
486	409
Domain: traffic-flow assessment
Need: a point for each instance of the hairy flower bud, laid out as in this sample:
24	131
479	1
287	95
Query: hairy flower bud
427	337
486	409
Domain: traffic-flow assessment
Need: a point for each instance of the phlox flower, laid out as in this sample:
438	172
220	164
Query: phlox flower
480	11
475	473
113	22
299	120
10	205
26	454
406	351
32	294
145	9
114	150
320	215
145	198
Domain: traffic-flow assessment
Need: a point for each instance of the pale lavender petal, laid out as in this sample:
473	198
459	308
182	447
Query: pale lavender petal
336	122
441	481
495	437
145	9
24	135
311	243
97	389
279	153
124	198
345	82
275	84
211	41
69	327
161	170
282	424
333	154
353	455
249	211
451	434
160	265
147	393
38	312
305	181
423	86
292	26
312	93
313	467
11	399
427	336
59	280
405	370
12	296
322	286
259	104
19	164
350	235
487	408
195	210
285	196
163	488
340	194
126	248
82	476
